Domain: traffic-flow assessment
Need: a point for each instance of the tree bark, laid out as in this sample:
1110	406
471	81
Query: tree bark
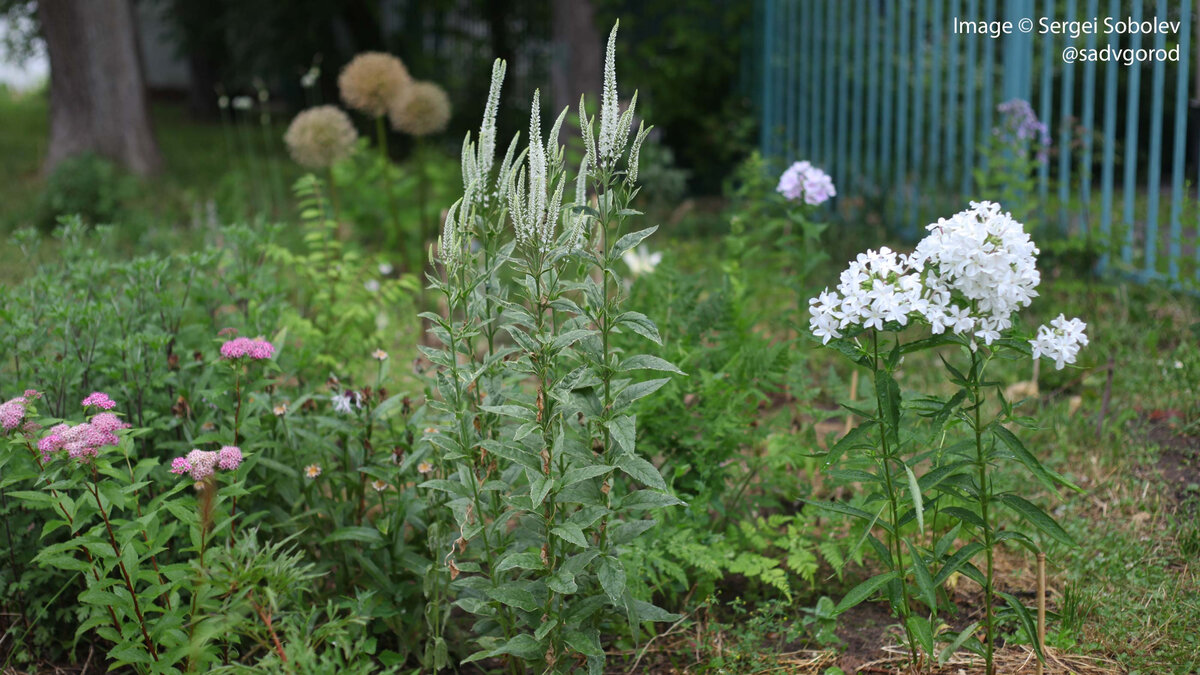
579	64
97	92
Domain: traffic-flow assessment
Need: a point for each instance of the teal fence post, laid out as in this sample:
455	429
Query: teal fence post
1131	143
1154	179
1110	146
1180	152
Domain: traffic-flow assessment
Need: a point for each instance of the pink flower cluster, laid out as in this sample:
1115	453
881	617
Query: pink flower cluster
83	440
100	400
201	464
245	347
12	412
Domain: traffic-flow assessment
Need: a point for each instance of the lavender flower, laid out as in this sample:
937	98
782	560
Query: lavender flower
802	179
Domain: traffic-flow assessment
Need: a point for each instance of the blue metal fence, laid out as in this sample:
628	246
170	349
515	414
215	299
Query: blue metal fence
894	104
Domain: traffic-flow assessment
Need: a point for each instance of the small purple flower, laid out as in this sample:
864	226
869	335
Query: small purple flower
1020	123
803	180
100	400
180	466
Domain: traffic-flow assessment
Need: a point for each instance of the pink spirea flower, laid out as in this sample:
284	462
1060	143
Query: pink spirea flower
12	412
203	463
180	466
229	457
100	400
803	180
245	347
32	394
82	441
107	421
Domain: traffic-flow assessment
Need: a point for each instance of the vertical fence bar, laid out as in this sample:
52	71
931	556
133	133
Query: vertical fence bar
804	139
889	65
989	81
1087	123
952	75
1046	104
1131	142
1110	144
857	137
874	67
937	37
814	98
918	85
764	132
843	98
1154	180
1180	152
830	55
903	82
1064	131
789	69
970	83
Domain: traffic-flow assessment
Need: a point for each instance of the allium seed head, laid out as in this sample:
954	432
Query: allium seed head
421	110
320	137
371	81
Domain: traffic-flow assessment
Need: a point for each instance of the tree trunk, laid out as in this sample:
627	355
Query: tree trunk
97	93
579	55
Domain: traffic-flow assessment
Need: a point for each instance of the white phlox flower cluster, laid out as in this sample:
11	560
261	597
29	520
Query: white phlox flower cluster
1060	341
877	287
969	275
980	267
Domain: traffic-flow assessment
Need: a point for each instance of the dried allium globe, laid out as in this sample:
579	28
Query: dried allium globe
371	81
319	137
422	110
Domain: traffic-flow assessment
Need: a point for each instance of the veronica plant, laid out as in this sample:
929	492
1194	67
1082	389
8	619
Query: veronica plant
965	282
538	431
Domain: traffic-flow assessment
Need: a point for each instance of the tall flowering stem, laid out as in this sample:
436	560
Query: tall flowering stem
544	426
965	282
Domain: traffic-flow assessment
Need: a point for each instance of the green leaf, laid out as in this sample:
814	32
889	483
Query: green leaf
521	646
642	471
646	611
924	580
624	431
649	362
1018	449
366	535
514	596
863	591
631	240
919	626
572	533
518	411
612	577
529	560
582	473
888	394
859	437
963	635
1026	620
636	391
1039	518
539	487
586	643
640	324
914	489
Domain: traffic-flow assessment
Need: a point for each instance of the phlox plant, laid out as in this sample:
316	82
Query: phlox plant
1011	155
960	289
536	457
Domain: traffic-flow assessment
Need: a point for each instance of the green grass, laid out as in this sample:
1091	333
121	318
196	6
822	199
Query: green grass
243	169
